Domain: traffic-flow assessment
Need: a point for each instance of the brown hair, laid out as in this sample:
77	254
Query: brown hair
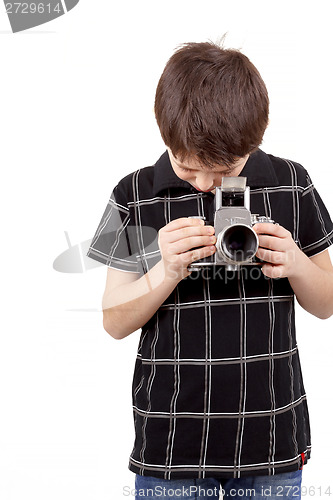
211	103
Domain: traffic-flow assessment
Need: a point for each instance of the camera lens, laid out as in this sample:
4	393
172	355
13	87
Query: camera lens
239	243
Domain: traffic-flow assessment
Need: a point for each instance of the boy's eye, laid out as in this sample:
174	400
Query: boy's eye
185	169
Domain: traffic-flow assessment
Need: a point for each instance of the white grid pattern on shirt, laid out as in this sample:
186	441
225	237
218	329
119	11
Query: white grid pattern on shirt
244	302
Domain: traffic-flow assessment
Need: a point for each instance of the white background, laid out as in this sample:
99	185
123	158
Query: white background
76	115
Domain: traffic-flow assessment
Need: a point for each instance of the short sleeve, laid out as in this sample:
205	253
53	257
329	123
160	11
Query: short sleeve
111	244
316	227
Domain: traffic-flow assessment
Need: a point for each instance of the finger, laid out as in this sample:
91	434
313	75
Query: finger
271	256
186	244
271	242
197	254
272	271
189	232
183	222
269	228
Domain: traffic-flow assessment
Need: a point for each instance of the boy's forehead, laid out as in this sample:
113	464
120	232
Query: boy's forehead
192	163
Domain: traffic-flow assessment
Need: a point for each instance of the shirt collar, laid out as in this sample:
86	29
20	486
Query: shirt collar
258	170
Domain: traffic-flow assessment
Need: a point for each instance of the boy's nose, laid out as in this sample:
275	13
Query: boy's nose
205	184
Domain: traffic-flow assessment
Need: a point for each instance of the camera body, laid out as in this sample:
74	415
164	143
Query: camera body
237	243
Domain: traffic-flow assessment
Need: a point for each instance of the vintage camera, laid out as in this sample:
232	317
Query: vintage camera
237	243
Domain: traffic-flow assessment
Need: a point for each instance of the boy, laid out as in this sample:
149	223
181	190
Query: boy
218	396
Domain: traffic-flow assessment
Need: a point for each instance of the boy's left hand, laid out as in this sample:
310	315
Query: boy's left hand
283	258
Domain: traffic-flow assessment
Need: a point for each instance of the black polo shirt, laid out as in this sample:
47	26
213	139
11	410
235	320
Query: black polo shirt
217	387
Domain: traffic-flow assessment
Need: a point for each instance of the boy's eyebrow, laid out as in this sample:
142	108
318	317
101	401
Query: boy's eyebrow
181	165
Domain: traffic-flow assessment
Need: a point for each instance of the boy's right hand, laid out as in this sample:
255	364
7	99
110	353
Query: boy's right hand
179	241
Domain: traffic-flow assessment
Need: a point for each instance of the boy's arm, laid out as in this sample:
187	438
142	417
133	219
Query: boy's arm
129	302
310	278
317	298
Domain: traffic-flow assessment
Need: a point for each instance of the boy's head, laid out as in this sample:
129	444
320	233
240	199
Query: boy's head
211	105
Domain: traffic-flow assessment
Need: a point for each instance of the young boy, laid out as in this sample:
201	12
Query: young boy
218	396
